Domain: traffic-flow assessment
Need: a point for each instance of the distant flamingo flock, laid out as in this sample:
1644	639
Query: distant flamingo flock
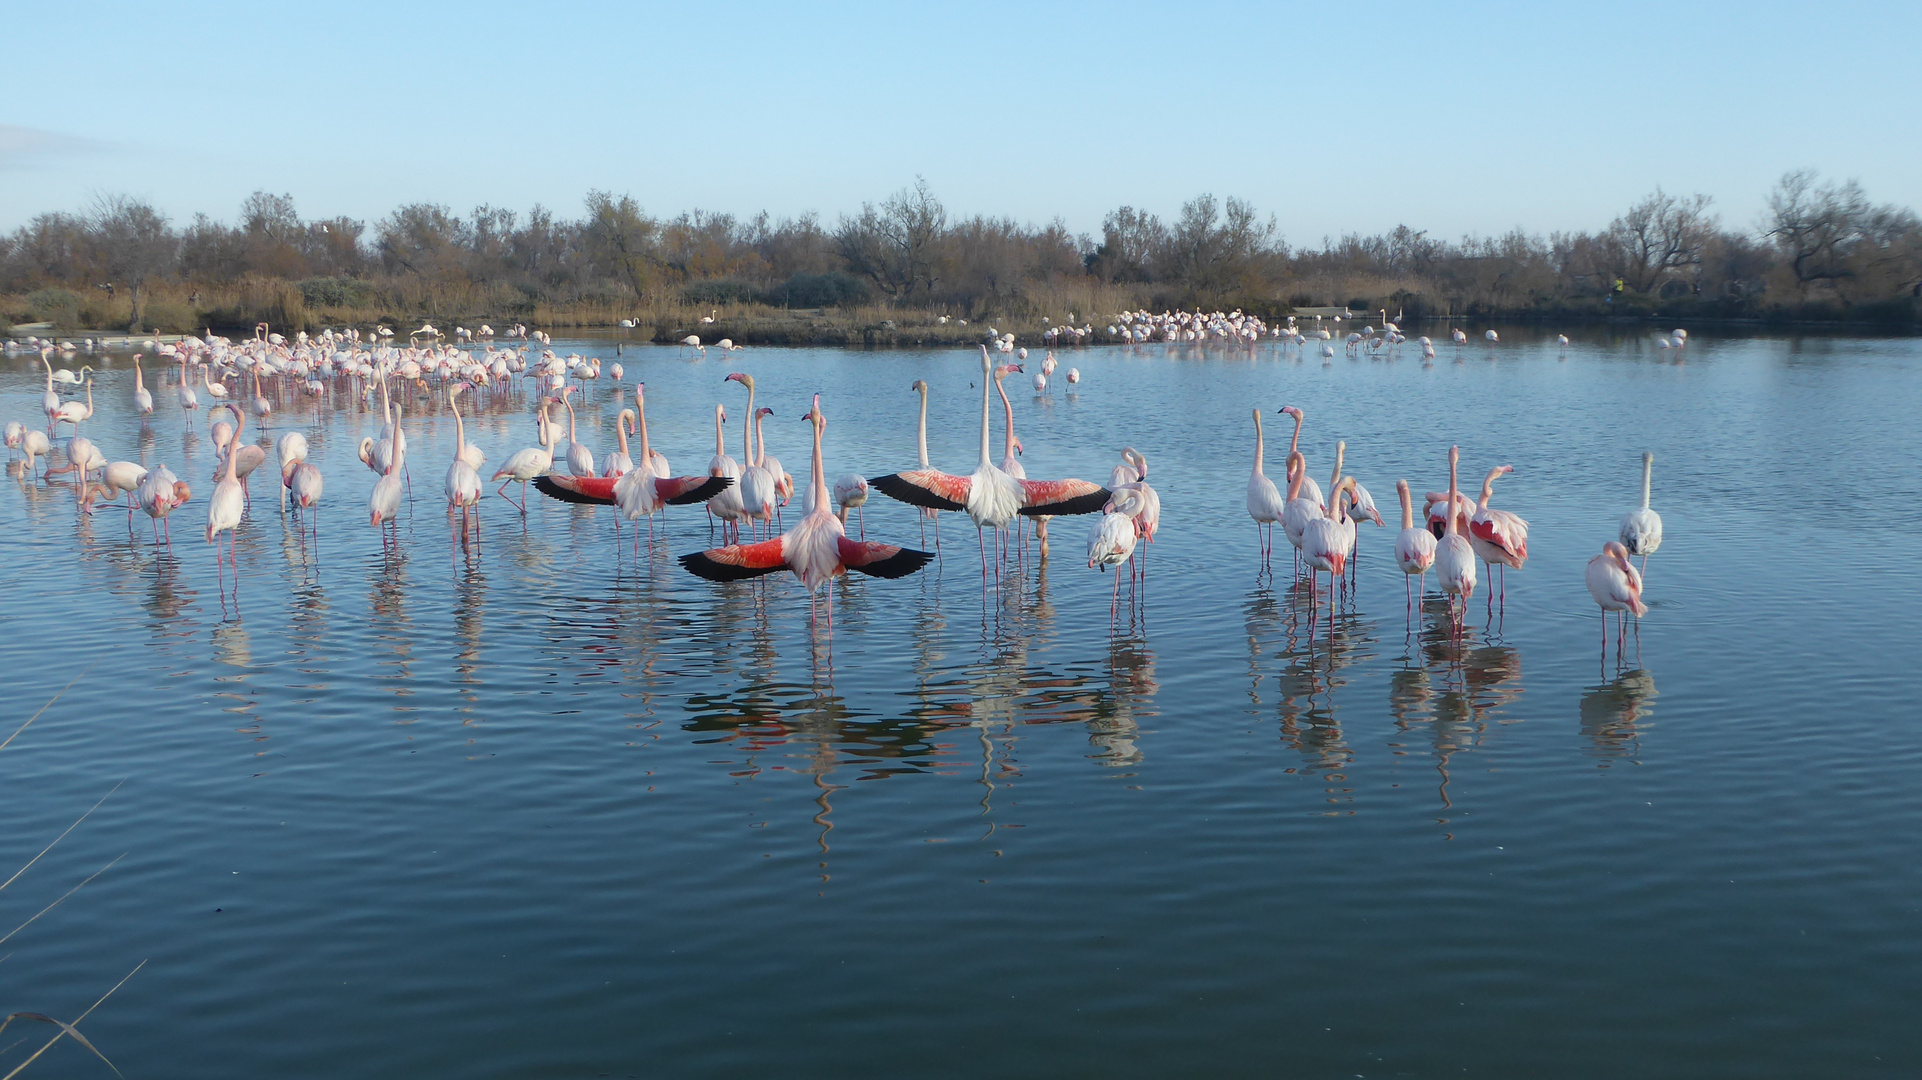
746	497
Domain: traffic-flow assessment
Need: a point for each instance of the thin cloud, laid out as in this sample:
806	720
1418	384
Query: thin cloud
25	147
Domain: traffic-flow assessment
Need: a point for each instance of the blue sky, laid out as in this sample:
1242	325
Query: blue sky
1459	118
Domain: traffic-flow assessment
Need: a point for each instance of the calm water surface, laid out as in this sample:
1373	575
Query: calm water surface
546	810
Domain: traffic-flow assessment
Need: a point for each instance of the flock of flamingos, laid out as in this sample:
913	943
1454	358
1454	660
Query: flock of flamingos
751	492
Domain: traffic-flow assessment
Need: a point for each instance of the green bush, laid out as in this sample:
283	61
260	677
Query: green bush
719	291
336	292
819	290
62	307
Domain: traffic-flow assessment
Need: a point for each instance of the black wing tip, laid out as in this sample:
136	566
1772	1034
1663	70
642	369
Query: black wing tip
714	486
898	565
547	486
700	564
894	487
1090	503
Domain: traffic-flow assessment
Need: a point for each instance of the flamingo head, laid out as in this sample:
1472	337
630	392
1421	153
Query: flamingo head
182	492
1018	448
920	385
1291	411
1130	454
741	377
763	411
1620	555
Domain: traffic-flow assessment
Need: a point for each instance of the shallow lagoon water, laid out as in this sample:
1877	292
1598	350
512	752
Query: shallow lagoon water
544	810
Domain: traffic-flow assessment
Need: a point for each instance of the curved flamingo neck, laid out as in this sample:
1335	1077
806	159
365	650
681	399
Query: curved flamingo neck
460	429
999	374
760	441
1488	488
233	446
1334	482
1294	443
1296	473
1258	443
720	445
1407	507
747	430
620	430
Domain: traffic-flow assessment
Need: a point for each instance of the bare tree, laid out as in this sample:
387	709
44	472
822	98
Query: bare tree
1816	226
131	243
895	246
1661	234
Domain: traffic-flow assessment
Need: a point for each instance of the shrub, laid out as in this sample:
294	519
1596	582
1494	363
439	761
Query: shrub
819	290
719	291
336	292
62	307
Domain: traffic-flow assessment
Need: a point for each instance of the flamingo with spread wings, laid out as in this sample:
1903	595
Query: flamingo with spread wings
816	549
990	496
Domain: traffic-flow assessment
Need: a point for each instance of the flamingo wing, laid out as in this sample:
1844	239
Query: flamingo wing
1503	529
926	487
682	490
881	560
738	561
577	489
1059	498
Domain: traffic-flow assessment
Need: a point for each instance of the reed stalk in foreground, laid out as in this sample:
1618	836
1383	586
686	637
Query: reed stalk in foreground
67	1030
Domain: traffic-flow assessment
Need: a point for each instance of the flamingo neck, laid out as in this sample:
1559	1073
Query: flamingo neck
760	440
1008	451
747	432
460	429
1452	496
921	436
720	445
1294	443
620	430
1334	482
819	483
1258	443
233	447
1407	508
987	376
640	421
1488	489
1648	471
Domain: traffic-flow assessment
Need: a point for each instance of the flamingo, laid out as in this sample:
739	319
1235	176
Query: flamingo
921	446
1147	515
1324	546
1264	502
117	478
292	450
1454	559
525	465
262	407
851	493
783	483
34	444
1361	508
73	412
641	492
383	502
757	484
16	434
1642	529
158	494
991	497
1414	548
463	484
580	460
217	391
816	549
1616	586
49	401
142	399
1112	540
1309	489
189	401
729	500
1298	510
225	507
1499	537
1074	376
618	462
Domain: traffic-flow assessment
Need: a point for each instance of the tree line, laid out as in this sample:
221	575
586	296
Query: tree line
1823	249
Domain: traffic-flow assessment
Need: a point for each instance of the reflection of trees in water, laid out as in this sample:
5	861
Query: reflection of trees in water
1610	714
